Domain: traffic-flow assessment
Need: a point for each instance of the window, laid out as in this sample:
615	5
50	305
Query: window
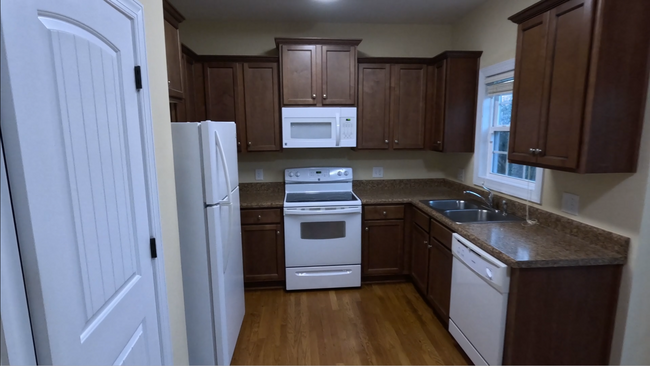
491	161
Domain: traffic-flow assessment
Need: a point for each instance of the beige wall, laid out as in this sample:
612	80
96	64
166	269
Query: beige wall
397	165
241	38
614	202
165	169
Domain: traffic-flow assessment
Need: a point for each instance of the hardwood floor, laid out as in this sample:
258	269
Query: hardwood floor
376	324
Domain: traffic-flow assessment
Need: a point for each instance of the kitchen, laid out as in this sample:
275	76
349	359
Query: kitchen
612	202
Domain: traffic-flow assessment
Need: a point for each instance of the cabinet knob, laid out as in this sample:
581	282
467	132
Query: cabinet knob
397	142
366	228
324	96
249	143
538	152
278	232
384	213
238	143
531	151
429	246
169	81
259	217
439	143
313	96
386	141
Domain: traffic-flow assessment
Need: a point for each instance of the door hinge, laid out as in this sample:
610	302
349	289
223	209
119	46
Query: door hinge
138	78
152	246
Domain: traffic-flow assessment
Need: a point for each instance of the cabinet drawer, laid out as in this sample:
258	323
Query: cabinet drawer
421	219
441	233
384	212
268	216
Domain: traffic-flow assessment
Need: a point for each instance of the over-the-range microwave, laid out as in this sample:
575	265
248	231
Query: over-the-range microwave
314	127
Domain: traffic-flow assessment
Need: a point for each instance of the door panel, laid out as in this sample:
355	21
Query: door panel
528	97
569	41
263	253
374	106
73	139
299	75
174	62
383	247
408	99
439	105
339	75
419	257
439	287
262	107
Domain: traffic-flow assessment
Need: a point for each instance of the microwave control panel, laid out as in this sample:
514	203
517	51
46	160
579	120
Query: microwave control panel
348	128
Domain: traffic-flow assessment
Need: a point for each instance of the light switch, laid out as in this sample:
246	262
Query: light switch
378	172
259	174
570	203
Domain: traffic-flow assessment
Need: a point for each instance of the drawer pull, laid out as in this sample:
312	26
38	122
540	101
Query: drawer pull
384	213
259	217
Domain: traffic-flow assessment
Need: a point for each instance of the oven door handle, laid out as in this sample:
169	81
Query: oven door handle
297	212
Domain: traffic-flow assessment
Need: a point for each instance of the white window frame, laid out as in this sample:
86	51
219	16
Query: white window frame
520	188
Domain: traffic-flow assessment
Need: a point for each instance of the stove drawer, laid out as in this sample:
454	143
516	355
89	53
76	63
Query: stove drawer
267	216
383	212
306	278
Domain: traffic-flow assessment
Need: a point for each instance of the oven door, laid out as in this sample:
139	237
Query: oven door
318	236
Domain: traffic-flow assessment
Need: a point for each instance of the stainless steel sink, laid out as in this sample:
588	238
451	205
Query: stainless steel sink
445	205
479	215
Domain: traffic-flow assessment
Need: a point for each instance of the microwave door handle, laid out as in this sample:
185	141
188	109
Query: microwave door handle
352	210
338	129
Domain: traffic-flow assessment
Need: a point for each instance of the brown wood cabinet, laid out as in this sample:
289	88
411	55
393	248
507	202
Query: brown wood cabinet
172	18
318	71
262	246
439	285
419	258
392	106
192	107
245	92
451	98
581	78
382	242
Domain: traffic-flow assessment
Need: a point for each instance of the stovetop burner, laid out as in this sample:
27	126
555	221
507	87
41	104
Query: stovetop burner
321	197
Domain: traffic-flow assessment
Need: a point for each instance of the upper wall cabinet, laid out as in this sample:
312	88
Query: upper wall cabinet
581	76
173	50
318	72
452	89
245	90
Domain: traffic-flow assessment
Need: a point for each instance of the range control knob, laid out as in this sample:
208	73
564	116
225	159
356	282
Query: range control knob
297	174
346	173
339	173
291	174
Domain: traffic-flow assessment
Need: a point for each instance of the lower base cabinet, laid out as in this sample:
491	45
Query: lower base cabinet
419	258
262	247
439	286
382	242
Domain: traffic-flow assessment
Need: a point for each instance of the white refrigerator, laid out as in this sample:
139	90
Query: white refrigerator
207	194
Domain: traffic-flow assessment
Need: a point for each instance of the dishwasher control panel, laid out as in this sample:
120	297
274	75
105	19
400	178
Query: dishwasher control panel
486	266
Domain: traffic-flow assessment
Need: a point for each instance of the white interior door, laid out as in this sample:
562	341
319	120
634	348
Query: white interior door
74	149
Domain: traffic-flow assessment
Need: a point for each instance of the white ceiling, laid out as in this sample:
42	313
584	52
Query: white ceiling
328	11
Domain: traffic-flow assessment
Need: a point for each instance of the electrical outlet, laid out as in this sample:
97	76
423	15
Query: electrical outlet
570	203
259	174
461	175
378	172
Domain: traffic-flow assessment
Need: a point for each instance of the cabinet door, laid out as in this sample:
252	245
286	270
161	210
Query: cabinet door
383	247
174	62
300	84
408	99
263	252
528	97
262	107
419	257
373	118
439	84
569	39
186	107
339	75
439	287
224	95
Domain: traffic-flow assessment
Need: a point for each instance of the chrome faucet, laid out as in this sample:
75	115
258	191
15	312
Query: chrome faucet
489	201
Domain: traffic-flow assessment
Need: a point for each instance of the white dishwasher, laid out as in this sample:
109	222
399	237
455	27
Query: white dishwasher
479	300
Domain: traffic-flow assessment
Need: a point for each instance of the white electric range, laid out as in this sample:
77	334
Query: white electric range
322	228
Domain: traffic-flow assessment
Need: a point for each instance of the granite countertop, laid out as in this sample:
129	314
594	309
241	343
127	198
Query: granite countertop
516	244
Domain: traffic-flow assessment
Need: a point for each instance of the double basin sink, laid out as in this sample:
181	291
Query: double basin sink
464	212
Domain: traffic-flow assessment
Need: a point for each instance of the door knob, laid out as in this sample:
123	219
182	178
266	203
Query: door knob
324	96
313	96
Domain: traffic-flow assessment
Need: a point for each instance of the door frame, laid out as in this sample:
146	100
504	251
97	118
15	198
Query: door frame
133	10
